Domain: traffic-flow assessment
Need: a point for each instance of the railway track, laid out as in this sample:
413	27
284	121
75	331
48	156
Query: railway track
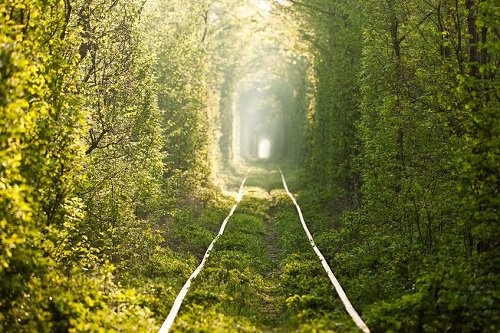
169	321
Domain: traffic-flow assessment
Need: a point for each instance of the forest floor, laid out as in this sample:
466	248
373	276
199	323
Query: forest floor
263	276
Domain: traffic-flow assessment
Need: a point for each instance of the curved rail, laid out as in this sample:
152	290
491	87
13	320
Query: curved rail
167	324
347	304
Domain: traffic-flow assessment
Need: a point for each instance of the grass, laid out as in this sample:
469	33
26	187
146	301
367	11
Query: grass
262	275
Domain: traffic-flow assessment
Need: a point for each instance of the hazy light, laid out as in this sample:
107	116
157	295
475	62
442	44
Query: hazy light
264	149
285	3
263	5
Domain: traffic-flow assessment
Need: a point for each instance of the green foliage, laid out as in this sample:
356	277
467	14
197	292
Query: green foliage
421	249
180	76
336	48
81	169
260	276
40	129
108	129
124	164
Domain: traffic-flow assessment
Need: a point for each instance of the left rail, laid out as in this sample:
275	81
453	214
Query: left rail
167	324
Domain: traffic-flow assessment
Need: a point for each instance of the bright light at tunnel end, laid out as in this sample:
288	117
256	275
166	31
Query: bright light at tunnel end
264	149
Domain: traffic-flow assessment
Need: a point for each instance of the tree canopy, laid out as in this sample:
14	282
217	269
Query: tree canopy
123	123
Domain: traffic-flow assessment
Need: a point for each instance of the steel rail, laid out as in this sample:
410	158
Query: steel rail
167	324
347	304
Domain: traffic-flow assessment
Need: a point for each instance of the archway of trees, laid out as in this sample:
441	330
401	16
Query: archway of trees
127	125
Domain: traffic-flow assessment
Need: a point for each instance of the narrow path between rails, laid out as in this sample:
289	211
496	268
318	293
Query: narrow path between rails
271	308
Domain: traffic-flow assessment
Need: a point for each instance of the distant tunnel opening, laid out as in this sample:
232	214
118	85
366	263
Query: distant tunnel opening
259	103
264	149
261	126
264	111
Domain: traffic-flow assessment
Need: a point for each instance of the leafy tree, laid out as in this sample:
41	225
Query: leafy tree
334	32
123	165
425	99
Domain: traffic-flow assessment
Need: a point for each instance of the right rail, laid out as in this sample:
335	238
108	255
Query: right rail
347	304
